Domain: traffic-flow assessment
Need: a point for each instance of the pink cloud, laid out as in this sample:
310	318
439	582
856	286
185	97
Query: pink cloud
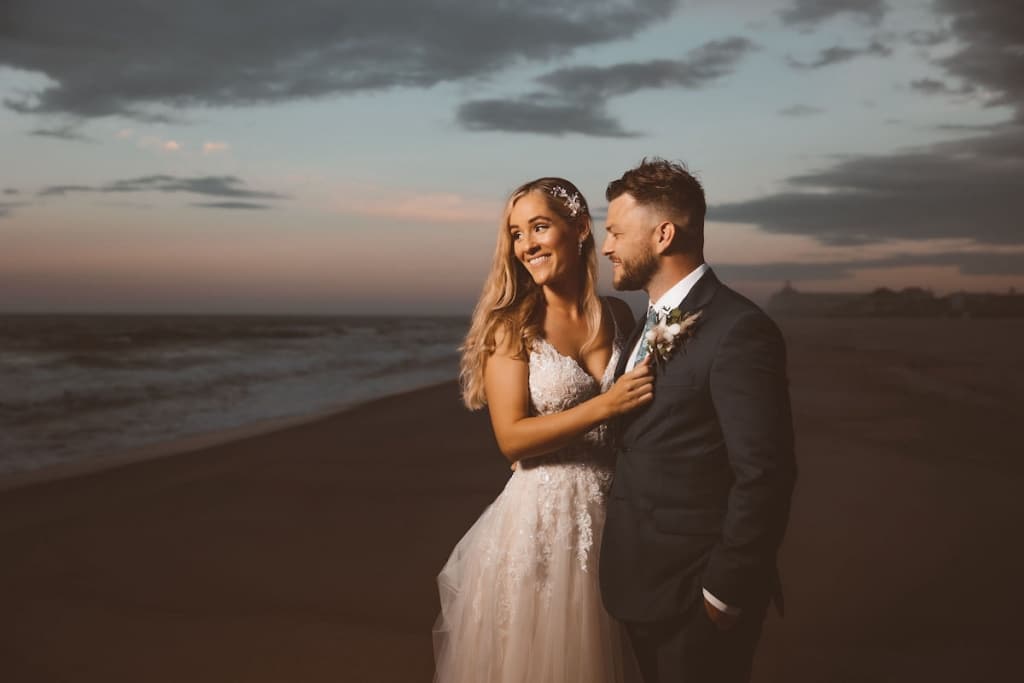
436	207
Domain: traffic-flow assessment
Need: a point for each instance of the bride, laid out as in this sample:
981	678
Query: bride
520	600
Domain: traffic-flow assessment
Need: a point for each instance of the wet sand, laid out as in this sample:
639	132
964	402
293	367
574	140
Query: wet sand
309	553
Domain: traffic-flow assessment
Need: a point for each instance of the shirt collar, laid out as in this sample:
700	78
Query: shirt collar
679	290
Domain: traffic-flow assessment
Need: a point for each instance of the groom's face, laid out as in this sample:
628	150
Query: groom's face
629	243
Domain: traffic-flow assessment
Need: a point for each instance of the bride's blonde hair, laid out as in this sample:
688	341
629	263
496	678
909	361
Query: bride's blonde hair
513	303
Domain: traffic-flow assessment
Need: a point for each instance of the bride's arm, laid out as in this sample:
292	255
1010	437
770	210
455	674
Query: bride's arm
520	435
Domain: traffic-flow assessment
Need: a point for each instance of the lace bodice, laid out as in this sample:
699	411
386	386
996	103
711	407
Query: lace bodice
557	383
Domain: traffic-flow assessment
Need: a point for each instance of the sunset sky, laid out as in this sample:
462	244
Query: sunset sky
351	157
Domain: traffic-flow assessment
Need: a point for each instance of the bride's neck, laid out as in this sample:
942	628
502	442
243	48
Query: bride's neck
564	301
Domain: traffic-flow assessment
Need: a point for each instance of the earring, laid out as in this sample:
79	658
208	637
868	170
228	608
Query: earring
580	251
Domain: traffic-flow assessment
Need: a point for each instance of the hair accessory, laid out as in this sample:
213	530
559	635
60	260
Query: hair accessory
572	202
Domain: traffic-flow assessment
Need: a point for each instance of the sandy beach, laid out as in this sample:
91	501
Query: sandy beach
309	553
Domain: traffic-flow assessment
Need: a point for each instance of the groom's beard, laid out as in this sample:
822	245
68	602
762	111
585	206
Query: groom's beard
637	273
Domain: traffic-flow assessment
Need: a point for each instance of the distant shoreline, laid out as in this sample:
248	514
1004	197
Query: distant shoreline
80	386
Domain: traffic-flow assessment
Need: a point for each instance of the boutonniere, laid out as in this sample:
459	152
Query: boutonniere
672	328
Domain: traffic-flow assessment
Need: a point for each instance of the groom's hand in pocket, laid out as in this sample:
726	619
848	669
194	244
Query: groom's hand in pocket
722	620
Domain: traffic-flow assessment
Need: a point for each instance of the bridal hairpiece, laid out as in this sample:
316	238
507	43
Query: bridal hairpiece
573	201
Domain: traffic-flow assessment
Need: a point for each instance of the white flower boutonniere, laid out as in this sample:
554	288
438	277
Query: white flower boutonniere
669	332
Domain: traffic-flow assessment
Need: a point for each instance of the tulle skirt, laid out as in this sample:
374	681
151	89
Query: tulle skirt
520	600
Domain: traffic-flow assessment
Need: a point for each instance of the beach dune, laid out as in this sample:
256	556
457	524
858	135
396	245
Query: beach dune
310	553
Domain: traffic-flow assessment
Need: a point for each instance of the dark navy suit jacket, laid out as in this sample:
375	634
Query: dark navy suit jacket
705	472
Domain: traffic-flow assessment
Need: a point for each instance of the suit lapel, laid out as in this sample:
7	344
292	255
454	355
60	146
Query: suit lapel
699	296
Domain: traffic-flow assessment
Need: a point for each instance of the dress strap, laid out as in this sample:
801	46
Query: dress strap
607	308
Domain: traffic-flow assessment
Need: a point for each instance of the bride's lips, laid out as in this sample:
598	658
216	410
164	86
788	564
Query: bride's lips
537	260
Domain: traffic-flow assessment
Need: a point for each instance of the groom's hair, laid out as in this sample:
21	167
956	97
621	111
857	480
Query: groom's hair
671	189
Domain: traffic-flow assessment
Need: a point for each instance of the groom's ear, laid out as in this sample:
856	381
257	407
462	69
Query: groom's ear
664	234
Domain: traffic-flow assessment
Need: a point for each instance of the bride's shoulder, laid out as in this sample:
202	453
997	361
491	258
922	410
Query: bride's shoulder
508	342
621	313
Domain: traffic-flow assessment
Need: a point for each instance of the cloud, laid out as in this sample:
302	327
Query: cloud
931	86
219	186
838	54
927	38
428	207
154	142
232	205
216	186
65	132
214	147
540	113
10	191
970	127
966	188
702	65
783	271
5	208
106	58
61	190
167	145
967	263
992	56
574	98
799	110
811	12
952	190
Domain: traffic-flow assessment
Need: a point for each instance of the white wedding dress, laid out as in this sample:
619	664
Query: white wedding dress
520	600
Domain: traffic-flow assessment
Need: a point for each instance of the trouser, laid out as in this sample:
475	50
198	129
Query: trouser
690	648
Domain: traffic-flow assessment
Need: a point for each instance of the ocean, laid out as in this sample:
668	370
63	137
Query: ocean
79	386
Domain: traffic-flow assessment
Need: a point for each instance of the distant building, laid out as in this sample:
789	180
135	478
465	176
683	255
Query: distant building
790	302
968	305
912	302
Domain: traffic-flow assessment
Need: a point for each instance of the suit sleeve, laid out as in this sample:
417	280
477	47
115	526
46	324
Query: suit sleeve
751	398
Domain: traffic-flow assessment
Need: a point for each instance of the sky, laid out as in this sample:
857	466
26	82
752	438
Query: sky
241	156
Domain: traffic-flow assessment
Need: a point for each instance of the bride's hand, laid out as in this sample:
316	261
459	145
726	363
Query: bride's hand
632	390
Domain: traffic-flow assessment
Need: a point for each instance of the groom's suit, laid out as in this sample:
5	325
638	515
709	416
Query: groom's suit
701	494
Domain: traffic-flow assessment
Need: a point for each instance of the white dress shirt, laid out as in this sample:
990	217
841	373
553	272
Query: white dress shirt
671	299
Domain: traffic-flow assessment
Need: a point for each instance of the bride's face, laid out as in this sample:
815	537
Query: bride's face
542	241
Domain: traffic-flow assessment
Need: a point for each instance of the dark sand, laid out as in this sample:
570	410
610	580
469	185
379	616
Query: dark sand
309	554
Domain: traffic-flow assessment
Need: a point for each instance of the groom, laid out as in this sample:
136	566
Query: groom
705	472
